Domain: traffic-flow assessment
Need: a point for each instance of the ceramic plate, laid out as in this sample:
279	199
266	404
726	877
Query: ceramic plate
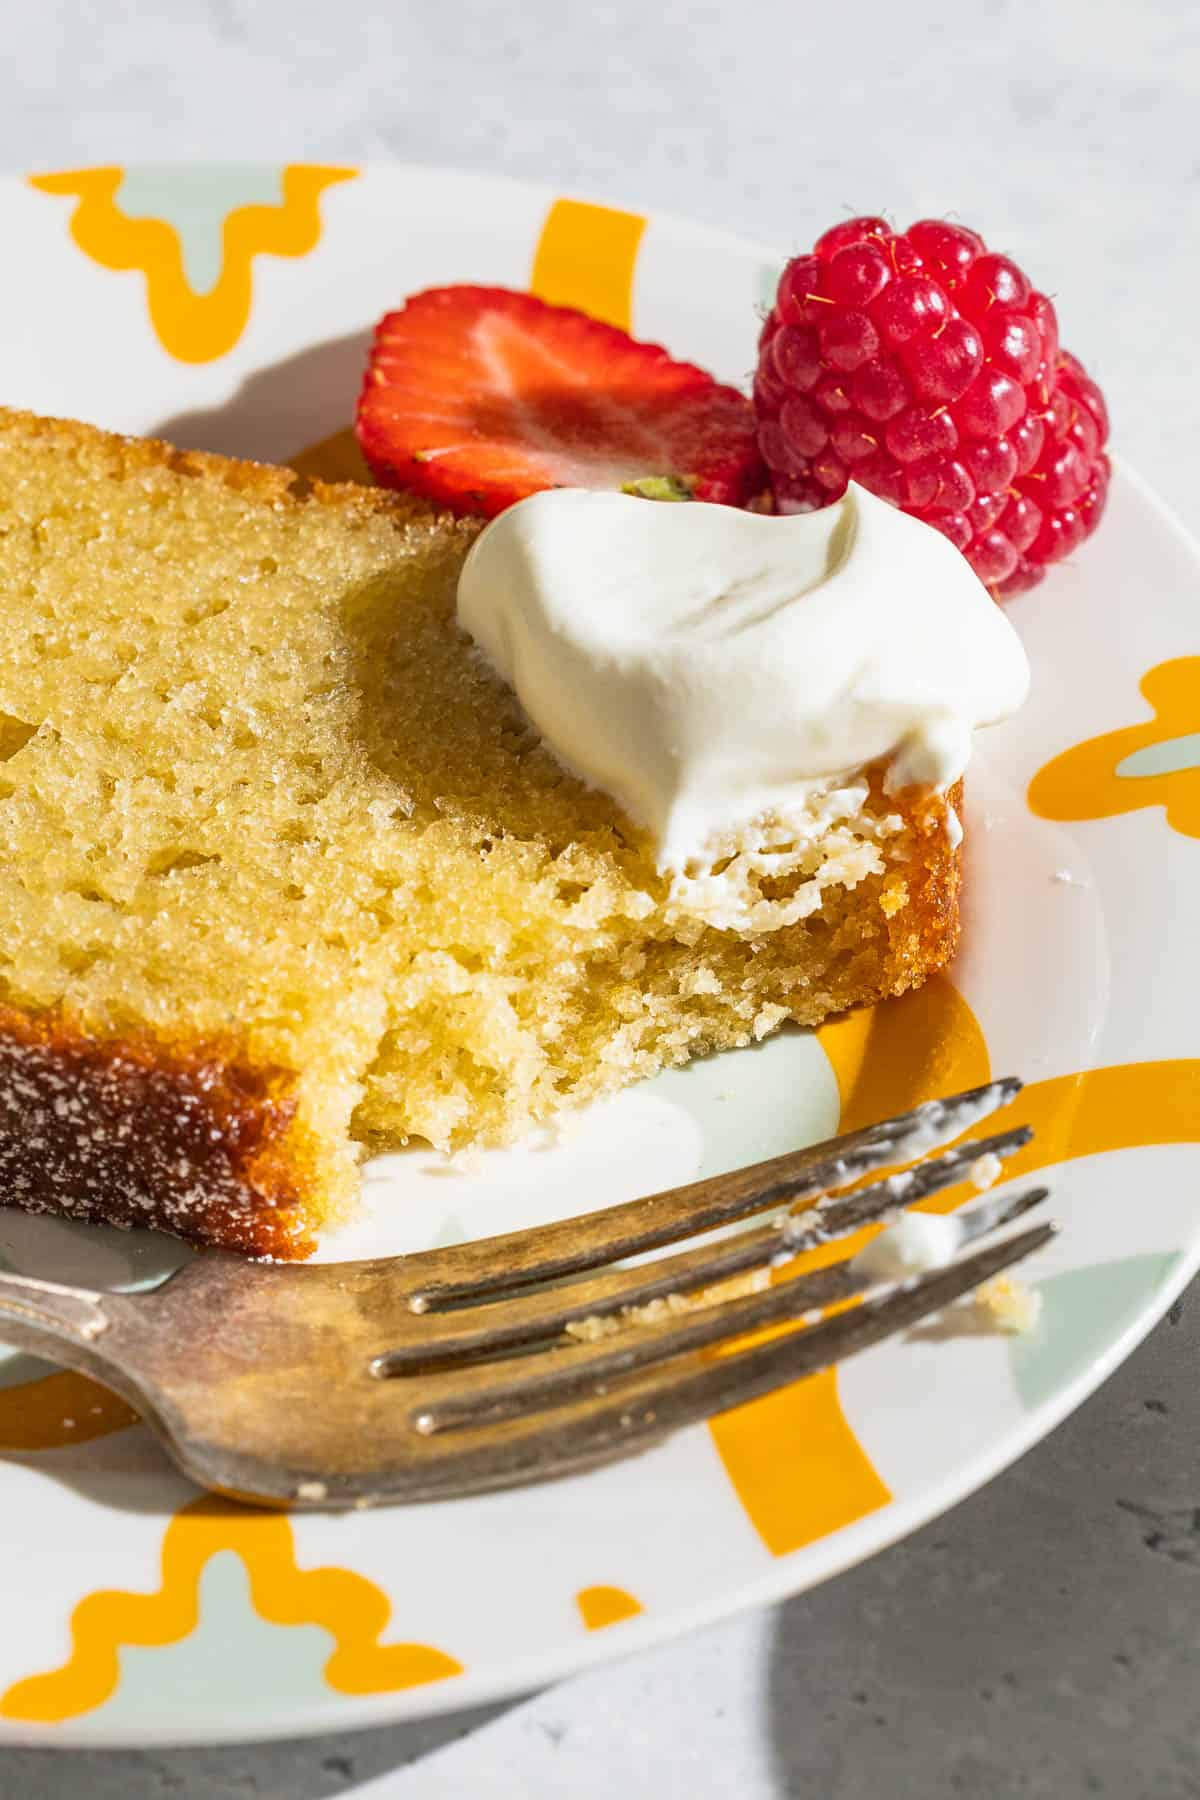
228	307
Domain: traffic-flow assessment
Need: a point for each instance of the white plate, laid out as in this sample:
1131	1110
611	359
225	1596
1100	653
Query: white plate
227	306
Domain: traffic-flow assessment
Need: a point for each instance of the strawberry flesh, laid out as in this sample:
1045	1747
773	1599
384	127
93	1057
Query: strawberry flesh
477	397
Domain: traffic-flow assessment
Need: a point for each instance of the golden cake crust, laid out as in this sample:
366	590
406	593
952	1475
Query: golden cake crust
115	454
923	935
185	1138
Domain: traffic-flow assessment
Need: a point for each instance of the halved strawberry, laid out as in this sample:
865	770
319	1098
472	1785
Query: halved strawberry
478	396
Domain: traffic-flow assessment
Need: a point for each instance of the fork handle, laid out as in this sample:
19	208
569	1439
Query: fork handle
49	1318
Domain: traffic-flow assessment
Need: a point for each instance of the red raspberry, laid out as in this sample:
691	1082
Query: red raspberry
928	369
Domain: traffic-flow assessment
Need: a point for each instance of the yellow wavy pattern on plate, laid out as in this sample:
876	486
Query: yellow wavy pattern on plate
798	1469
352	1609
192	327
600	1606
1083	1114
1083	782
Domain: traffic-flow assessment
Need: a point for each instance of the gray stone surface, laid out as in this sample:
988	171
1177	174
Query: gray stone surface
1044	1639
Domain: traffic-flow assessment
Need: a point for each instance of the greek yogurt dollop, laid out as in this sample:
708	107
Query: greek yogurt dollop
719	671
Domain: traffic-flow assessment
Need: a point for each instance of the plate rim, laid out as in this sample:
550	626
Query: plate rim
787	1574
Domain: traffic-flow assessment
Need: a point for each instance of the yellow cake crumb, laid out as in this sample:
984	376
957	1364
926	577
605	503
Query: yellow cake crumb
1012	1305
668	1306
257	794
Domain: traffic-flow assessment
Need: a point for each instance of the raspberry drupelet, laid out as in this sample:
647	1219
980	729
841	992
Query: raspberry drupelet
928	369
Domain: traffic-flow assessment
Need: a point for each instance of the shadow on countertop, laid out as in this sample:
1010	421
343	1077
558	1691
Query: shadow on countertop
1032	1644
298	1769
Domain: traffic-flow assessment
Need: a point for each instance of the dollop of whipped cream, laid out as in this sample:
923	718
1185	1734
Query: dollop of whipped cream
916	1244
726	676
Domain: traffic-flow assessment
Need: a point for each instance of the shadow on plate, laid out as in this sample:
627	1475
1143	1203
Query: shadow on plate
95	1256
128	1472
279	410
117	1466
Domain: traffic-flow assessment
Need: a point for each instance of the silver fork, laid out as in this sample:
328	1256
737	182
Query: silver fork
454	1371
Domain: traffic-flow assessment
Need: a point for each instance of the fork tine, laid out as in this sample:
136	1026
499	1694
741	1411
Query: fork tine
827	1220
997	1209
703	1385
571	1374
492	1266
529	1319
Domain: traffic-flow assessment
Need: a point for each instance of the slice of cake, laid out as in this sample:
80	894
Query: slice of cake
288	874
